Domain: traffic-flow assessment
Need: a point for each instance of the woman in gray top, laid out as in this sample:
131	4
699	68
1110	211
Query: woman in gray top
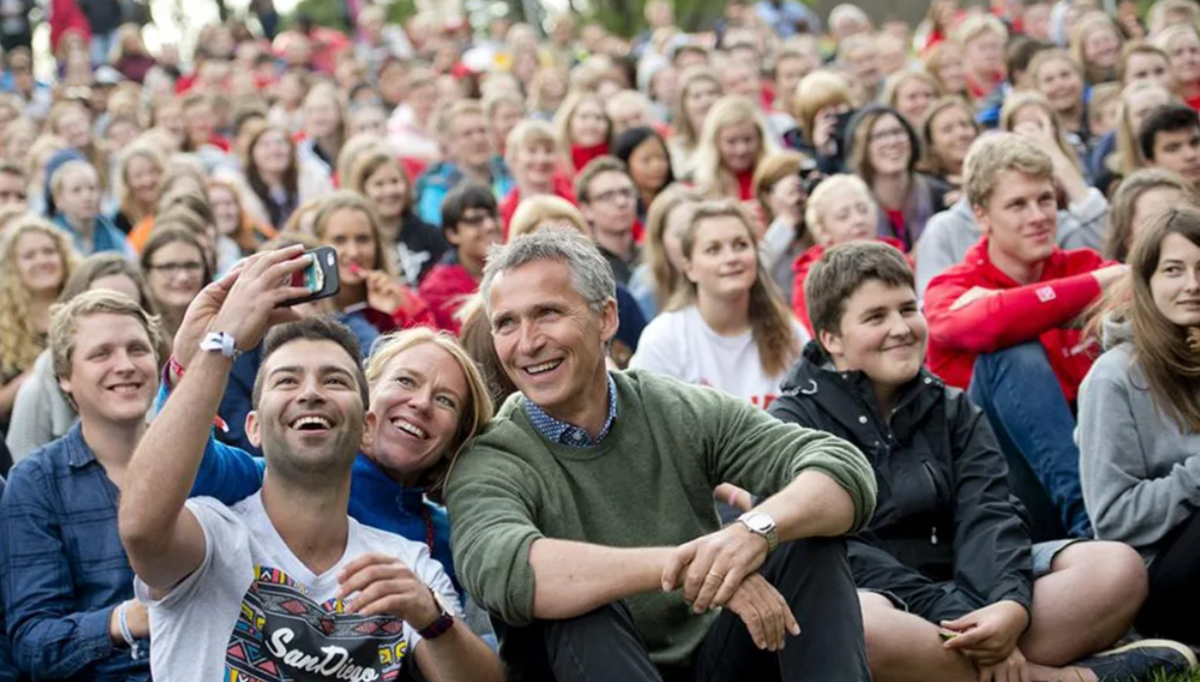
1139	422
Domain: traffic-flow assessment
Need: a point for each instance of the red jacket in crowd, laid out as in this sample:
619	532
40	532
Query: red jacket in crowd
444	289
800	269
508	207
1042	310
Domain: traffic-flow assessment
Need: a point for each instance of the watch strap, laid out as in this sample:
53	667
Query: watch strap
442	624
220	342
769	535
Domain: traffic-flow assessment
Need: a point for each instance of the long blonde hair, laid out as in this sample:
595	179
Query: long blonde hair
771	321
129	205
685	134
710	175
1018	101
20	342
1128	158
476	412
562	122
669	282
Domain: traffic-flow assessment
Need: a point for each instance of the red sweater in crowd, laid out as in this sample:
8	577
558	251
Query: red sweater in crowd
444	289
1042	310
508	207
804	263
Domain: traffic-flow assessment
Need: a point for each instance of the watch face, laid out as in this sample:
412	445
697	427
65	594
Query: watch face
759	522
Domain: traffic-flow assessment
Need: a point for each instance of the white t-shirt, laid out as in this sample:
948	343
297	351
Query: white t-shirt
253	612
680	344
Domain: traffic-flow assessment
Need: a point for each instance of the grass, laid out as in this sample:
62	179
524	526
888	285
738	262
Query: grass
1193	676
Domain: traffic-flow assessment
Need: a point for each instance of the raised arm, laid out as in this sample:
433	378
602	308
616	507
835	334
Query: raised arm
164	541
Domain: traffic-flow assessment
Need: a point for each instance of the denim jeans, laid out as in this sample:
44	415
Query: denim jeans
1018	390
812	575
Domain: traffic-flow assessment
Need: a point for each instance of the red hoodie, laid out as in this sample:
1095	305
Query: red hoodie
508	207
800	270
1042	310
445	288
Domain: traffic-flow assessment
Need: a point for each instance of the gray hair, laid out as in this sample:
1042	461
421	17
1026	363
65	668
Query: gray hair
591	275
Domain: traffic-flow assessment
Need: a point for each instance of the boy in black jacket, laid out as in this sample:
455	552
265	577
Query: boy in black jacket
951	588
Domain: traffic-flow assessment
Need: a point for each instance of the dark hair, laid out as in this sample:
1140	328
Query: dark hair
628	141
466	196
842	270
1168	118
106	264
313	329
171	234
1021	51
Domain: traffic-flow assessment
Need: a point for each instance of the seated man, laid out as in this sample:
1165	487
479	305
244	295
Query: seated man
462	129
284	583
584	517
471	223
1000	321
947	545
608	200
67	583
950	234
1170	138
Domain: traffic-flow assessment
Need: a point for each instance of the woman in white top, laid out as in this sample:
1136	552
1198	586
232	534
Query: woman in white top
733	331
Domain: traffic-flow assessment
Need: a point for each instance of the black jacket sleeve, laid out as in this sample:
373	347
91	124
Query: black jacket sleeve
992	558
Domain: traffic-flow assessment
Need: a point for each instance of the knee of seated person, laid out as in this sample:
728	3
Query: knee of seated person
1030	355
1111	568
608	616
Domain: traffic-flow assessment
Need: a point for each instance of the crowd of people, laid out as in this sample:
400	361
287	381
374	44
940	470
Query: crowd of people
791	348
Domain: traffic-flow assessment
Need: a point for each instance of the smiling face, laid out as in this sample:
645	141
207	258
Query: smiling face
846	216
913	98
882	334
953	132
738	145
75	129
1102	47
143	176
724	260
1184	52
534	164
469	143
272	153
648	165
39	264
114	370
310	419
225	209
1143	66
176	275
419	399
1175	284
1058	80
79	196
388	190
349	232
1021	219
550	342
984	55
589	125
889	148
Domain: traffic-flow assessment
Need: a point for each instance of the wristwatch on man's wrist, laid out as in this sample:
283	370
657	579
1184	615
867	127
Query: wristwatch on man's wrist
761	524
442	623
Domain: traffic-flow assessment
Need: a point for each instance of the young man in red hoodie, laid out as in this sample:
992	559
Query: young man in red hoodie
1002	322
471	224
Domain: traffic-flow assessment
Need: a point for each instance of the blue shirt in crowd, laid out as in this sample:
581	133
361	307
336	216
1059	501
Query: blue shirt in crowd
436	182
62	567
558	431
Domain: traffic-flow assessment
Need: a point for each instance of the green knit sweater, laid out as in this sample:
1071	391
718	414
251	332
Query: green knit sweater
648	484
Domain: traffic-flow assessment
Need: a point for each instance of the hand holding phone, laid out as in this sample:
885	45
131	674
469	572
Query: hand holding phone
320	277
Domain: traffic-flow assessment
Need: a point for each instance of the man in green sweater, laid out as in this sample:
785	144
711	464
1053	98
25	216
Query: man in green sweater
583	517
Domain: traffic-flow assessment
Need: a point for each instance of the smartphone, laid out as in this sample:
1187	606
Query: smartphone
320	277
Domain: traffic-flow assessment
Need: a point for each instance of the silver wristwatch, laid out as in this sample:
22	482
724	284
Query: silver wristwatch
763	525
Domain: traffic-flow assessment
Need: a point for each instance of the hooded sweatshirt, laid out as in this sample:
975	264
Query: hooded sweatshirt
950	234
1140	472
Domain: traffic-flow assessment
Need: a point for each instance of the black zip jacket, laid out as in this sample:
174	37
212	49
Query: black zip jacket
943	508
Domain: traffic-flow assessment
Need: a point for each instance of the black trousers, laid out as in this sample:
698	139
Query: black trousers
812	575
1170	610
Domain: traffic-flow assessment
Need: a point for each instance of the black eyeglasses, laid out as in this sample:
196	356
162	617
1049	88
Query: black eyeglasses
190	267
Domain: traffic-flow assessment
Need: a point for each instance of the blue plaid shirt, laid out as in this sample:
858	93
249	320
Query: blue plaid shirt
560	432
62	566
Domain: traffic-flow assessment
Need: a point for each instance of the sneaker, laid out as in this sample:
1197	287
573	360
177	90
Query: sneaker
1141	660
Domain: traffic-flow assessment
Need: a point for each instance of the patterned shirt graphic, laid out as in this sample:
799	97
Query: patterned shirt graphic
254	613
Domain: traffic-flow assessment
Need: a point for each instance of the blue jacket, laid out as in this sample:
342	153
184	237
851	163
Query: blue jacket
62	566
436	182
8	669
105	237
231	475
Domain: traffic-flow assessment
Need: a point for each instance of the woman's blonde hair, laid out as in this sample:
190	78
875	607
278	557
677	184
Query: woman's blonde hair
527	133
20	342
933	163
1163	39
476	412
562	122
1046	56
891	87
771	323
343	200
933	60
669	283
1018	101
532	214
834	185
710	175
1084	28
1128	157
1124	201
129	204
816	92
353	150
367	162
685	134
